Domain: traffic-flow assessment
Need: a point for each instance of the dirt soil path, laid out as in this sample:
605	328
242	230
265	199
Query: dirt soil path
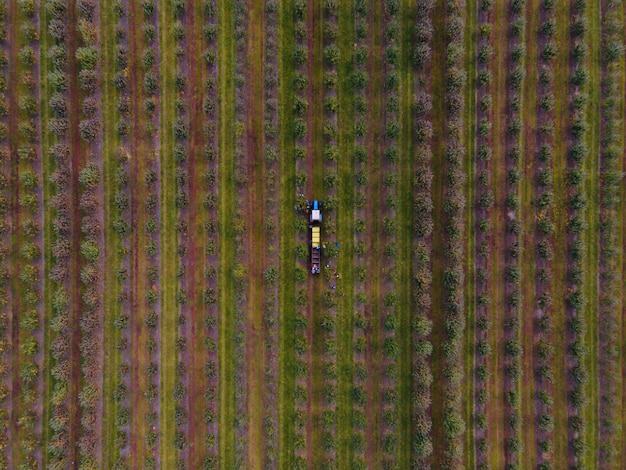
257	240
77	162
195	253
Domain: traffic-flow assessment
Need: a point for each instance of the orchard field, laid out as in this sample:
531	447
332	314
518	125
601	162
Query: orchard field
157	308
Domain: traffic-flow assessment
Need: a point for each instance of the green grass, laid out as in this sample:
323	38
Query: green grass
227	162
528	242
345	235
438	249
404	237
470	238
372	262
561	76
496	406
592	256
111	335
169	239
256	199
286	231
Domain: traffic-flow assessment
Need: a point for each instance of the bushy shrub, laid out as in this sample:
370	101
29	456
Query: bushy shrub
90	251
57	29
89	129
550	50
300	54
26	56
331	54
59	81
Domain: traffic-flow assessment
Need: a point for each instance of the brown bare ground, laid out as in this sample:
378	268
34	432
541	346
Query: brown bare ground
255	214
77	162
373	312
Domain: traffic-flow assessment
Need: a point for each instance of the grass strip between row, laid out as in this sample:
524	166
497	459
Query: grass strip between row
404	237
286	230
438	255
591	261
561	76
345	233
528	242
227	200
112	286
255	341
169	238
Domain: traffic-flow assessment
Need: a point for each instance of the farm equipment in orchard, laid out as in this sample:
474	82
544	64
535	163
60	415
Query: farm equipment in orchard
315	218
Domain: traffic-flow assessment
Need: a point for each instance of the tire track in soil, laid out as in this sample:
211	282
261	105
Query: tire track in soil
47	233
195	405
528	243
342	17
226	347
77	162
496	413
372	283
561	76
138	261
255	210
404	237
592	281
